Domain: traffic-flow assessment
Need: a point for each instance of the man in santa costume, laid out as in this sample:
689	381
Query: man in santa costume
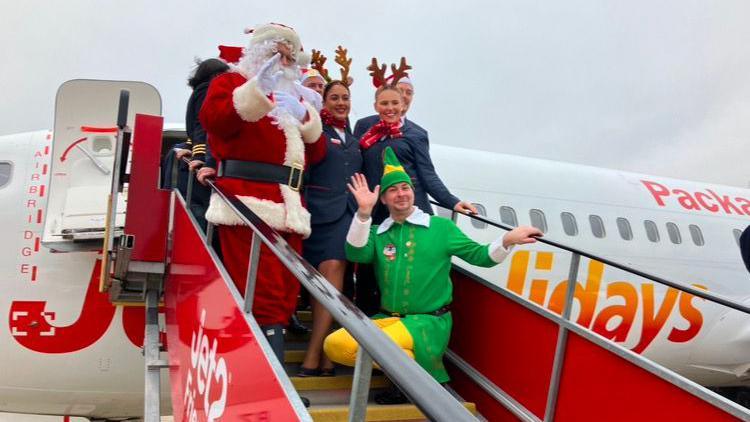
264	133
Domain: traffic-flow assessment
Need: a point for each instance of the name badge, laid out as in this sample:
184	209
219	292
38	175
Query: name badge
336	141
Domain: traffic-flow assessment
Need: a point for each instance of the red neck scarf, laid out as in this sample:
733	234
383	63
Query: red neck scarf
378	131
328	119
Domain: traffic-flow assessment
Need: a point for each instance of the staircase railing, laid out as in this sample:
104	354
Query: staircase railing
427	394
566	325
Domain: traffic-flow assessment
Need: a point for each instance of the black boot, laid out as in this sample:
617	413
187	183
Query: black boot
296	327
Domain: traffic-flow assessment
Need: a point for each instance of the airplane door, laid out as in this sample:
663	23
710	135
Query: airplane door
83	151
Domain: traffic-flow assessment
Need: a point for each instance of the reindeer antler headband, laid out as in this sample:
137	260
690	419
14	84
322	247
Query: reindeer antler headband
318	63
397	73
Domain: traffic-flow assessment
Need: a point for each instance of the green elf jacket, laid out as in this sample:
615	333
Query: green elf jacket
412	264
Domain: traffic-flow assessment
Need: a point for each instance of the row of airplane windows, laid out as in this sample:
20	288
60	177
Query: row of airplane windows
596	224
539	220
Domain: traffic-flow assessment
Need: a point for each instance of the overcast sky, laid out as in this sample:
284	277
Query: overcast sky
659	87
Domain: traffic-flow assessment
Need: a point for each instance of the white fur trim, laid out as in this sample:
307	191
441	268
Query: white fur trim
311	129
250	102
271	212
289	216
297	217
496	250
359	232
295	149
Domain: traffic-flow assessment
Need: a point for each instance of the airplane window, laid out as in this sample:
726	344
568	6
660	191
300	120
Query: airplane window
674	233
538	220
737	234
569	224
481	210
623	226
508	216
6	169
696	234
652	232
442	212
597	226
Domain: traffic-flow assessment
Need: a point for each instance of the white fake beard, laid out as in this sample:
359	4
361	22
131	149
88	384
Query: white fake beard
286	82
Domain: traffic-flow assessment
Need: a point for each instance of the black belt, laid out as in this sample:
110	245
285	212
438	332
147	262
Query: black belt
263	172
444	310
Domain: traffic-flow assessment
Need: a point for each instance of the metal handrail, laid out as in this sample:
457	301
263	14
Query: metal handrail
565	325
712	297
425	392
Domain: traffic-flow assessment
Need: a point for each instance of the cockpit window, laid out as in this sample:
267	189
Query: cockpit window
6	170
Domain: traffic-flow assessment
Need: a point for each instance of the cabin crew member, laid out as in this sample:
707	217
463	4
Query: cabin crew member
263	136
411	252
332	207
411	146
406	87
314	80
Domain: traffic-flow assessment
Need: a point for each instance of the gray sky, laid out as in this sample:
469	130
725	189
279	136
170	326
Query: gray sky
659	87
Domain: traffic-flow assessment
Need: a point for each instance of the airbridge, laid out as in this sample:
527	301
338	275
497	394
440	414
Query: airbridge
509	358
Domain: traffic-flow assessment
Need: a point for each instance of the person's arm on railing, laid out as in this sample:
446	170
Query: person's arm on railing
359	244
490	255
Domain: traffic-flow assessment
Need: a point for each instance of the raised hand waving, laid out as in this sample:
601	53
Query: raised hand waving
366	199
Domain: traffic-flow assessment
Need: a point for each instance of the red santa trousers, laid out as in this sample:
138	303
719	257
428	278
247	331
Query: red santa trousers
276	289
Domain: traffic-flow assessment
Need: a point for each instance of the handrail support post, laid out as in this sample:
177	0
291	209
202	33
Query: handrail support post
252	272
562	340
360	386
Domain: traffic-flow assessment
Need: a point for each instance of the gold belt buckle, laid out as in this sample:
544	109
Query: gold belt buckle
298	185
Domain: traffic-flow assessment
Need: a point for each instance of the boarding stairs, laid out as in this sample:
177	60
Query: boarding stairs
512	360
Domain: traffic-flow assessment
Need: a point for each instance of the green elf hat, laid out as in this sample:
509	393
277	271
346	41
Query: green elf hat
393	172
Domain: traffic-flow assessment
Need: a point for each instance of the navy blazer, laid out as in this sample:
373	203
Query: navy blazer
326	194
413	151
366	123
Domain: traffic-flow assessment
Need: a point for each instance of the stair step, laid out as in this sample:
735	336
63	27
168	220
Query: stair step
304	316
375	412
294	356
339	382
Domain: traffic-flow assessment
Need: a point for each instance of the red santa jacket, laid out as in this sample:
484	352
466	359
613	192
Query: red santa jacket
234	115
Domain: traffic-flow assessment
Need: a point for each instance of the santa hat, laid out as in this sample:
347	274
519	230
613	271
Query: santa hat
272	31
393	171
311	73
401	80
230	54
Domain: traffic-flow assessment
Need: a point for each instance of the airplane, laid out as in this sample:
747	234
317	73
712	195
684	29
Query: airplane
68	351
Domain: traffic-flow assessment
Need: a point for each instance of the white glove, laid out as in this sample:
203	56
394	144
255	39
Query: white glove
310	95
267	78
290	104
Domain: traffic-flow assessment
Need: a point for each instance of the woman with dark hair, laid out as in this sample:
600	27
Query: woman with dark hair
331	207
201	158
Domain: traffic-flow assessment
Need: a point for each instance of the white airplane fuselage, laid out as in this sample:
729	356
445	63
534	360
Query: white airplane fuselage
86	359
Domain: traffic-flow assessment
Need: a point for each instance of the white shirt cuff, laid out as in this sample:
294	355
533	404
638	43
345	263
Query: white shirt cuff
359	232
497	252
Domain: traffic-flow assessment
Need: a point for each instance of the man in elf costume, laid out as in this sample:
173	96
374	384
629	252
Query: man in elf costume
264	134
411	252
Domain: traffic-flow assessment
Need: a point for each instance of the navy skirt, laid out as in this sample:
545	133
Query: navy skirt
327	241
